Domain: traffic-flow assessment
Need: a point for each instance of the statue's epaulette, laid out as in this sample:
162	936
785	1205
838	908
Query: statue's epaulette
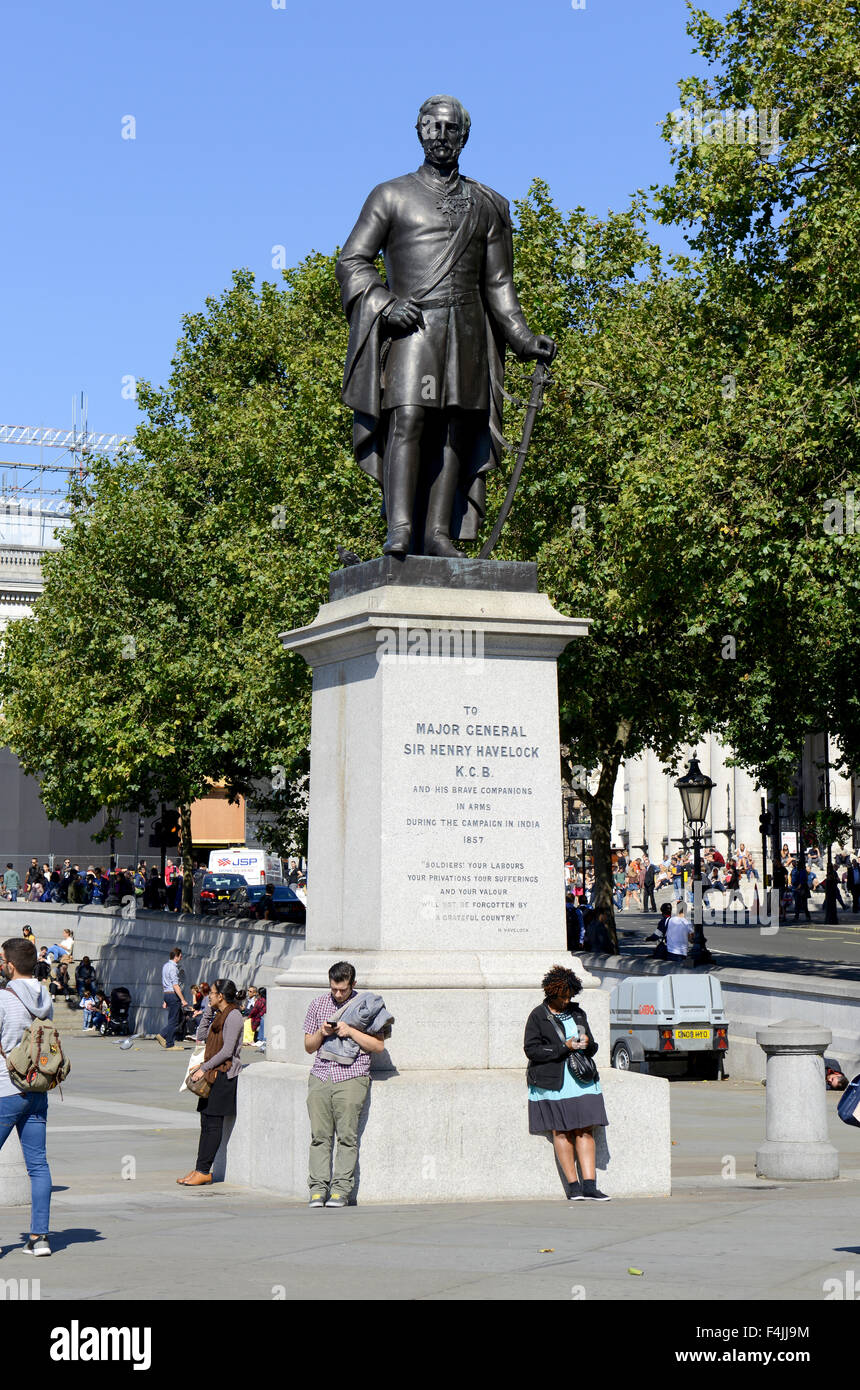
499	202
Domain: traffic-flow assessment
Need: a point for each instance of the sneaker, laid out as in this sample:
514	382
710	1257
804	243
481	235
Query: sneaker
161	1039
337	1199
576	1193
37	1245
595	1195
317	1200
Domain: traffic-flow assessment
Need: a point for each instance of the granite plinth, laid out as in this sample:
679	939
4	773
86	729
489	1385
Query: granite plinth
14	1182
435	812
456	1009
443	1136
434	796
500	576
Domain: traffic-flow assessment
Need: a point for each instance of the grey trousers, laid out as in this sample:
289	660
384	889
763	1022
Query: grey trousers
334	1108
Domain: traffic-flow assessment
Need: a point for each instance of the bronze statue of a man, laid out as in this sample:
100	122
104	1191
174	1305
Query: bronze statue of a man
425	365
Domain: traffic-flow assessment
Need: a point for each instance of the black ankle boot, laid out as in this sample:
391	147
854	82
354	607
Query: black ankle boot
398	541
440	544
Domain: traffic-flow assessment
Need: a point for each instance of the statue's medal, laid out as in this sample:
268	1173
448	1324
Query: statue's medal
454	205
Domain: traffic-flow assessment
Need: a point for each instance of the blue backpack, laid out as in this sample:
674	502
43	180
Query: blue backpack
848	1108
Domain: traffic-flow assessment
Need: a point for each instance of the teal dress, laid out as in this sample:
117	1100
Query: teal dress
577	1105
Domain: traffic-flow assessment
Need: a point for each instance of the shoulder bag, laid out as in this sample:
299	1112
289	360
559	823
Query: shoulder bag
583	1069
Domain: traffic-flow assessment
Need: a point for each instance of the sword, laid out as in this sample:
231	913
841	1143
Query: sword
540	380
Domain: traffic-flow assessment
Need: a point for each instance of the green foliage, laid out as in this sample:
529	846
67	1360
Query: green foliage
828	828
777	237
152	666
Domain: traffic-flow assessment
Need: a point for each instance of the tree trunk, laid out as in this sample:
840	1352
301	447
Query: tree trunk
599	803
186	848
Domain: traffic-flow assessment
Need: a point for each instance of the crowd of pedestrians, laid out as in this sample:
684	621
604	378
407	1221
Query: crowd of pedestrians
70	883
146	886
638	881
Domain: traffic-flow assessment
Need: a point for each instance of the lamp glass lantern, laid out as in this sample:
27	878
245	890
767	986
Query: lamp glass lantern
695	789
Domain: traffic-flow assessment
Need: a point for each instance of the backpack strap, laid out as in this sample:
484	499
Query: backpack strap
21	1001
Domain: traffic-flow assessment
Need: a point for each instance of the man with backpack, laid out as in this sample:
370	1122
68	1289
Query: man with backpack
23	1003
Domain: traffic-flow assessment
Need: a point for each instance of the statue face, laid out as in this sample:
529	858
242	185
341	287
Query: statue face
441	135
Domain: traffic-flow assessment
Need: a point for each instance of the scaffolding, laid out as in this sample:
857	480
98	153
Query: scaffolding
31	488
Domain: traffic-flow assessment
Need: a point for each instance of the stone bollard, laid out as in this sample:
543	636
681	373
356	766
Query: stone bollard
796	1145
14	1182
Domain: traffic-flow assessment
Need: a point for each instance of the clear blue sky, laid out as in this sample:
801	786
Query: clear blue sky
258	127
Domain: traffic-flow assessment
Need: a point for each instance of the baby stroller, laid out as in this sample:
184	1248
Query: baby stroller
120	1006
187	1026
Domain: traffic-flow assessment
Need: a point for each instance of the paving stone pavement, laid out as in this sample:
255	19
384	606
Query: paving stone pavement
723	1234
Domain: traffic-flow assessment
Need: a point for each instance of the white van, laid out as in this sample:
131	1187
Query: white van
255	865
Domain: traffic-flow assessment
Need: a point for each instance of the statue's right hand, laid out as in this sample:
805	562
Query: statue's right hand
404	313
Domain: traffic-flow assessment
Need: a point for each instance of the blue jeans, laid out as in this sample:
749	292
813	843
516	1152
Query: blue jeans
261	1031
28	1113
174	1010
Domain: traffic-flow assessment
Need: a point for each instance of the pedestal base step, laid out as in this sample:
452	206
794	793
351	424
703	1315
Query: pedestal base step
442	1136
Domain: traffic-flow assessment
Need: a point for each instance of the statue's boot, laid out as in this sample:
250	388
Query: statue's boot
437	528
402	473
398	540
440	544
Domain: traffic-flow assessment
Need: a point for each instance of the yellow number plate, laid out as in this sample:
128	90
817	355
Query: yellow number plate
692	1032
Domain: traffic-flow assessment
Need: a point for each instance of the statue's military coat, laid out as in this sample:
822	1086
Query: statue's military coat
446	243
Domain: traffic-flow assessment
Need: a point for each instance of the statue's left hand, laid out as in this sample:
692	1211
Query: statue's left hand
541	347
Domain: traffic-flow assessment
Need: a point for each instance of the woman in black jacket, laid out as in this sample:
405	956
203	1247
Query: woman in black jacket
558	1101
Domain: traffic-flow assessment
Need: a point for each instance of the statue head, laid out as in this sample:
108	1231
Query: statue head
443	129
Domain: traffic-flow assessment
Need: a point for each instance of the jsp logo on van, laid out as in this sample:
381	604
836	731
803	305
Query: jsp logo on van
255	865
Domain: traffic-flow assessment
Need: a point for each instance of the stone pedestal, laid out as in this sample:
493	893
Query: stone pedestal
14	1182
436	869
796	1145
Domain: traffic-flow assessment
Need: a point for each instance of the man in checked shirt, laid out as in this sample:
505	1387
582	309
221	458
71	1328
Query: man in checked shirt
336	1093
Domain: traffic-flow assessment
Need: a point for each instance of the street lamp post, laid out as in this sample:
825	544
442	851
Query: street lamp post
695	789
830	915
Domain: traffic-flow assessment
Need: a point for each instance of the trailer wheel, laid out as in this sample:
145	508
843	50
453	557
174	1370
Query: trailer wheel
623	1059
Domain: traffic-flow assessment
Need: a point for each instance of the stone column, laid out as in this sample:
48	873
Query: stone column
14	1182
796	1145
